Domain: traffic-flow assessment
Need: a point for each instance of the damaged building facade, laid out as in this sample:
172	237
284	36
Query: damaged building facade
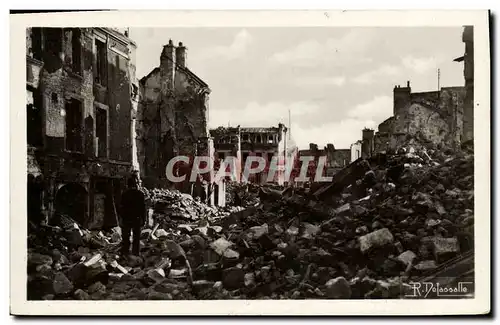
243	142
172	117
434	117
336	159
80	94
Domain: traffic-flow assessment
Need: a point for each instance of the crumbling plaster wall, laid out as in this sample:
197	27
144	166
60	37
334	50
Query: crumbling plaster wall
422	122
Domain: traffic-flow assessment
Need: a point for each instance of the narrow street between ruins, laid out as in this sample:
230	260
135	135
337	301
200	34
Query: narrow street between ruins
371	198
382	222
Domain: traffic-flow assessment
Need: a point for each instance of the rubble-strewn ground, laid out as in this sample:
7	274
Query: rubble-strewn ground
380	223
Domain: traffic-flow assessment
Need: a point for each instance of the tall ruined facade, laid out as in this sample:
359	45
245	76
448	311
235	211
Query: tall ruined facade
172	116
80	106
435	117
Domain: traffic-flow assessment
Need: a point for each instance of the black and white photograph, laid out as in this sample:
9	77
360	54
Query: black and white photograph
329	161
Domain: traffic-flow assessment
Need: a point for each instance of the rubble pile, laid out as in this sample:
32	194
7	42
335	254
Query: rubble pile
244	195
168	205
379	224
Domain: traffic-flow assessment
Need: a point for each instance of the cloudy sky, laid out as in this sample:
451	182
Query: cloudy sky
334	81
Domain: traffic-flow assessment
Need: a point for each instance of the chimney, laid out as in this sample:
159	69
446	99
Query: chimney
180	54
167	65
401	97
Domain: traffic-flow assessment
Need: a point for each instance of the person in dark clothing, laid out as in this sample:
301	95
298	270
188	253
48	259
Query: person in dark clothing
133	216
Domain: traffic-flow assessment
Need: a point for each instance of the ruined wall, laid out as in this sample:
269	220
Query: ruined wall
172	116
120	107
191	114
422	122
355	150
435	116
155	122
425	97
452	104
386	126
468	124
367	144
60	84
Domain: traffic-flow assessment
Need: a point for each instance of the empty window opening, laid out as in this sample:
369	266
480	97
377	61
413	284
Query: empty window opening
36	42
270	139
53	41
101	131
76	50
101	62
74	122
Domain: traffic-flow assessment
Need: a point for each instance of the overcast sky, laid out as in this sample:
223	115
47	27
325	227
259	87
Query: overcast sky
334	81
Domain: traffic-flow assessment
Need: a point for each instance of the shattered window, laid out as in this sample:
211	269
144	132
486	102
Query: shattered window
101	64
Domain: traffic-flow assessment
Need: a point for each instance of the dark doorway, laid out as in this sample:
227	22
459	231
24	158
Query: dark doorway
71	200
35	188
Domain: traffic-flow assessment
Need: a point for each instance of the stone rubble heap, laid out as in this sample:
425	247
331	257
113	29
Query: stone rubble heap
380	223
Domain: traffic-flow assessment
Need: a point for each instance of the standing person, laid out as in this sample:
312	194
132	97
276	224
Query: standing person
133	216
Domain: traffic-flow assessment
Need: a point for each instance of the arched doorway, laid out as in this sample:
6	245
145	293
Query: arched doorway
71	200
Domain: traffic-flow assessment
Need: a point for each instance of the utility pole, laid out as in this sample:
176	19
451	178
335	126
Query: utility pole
289	125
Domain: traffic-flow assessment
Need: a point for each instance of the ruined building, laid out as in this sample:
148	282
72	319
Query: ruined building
244	142
172	116
336	159
80	95
432	117
468	59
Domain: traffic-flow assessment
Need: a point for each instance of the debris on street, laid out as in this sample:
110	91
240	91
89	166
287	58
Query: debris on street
380	223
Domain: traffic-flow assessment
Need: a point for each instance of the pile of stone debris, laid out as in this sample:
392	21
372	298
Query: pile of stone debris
378	224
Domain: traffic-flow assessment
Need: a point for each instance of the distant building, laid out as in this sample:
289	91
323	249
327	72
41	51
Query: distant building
244	142
335	159
81	93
